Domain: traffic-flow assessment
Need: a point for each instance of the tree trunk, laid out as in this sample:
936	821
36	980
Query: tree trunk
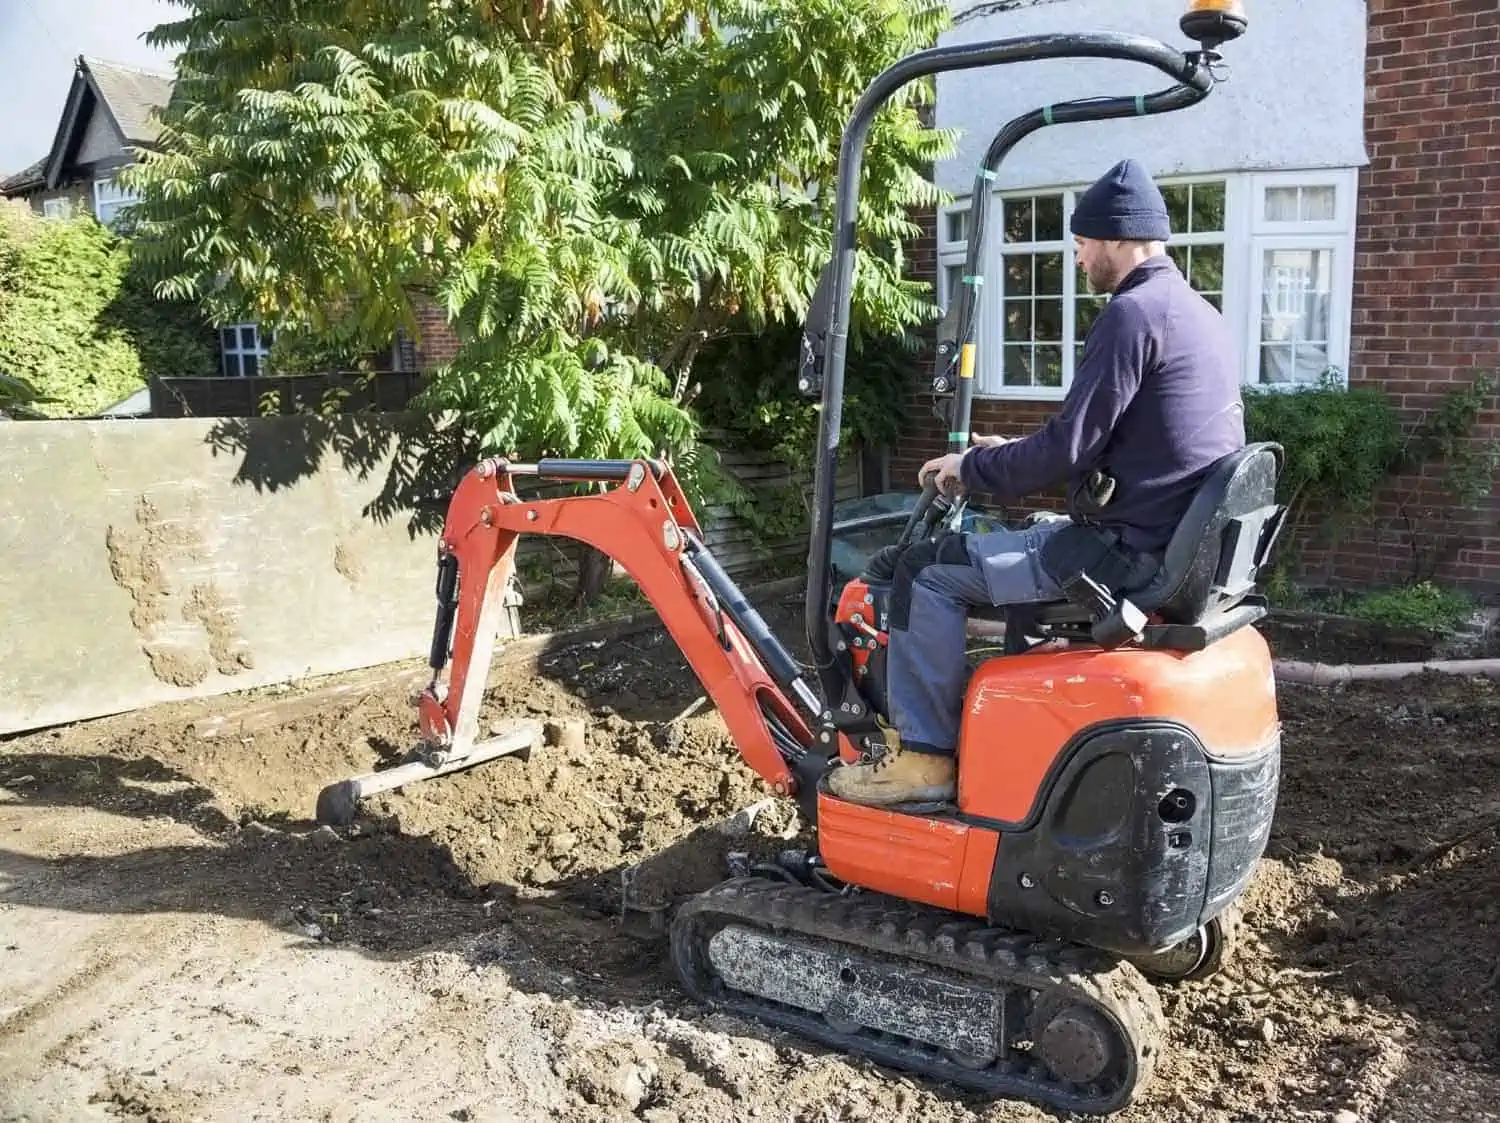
593	574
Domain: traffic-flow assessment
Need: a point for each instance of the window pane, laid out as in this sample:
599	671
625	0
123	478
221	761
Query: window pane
1049	218
958	225
1018	220
1048	324
1049	366
1319	204
1276	364
1281	204
227	339
1208	208
1179	254
247	337
1296	295
1018	320
954	275
1293	362
1179	206
1216	299
1207	271
1018	274
1085	313
1049	274
1018	365
252	365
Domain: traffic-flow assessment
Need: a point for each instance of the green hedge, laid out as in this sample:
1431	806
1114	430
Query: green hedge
79	323
1347	446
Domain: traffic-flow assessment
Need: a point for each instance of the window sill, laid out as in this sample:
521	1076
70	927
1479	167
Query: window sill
1022	394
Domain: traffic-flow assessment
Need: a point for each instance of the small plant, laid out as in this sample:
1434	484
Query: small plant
1422	607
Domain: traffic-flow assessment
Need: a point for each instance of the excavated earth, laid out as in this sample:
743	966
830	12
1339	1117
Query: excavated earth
180	941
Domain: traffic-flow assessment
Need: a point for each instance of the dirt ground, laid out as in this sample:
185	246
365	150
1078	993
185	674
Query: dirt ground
179	941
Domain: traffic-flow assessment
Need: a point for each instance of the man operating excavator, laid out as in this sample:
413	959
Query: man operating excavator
1155	401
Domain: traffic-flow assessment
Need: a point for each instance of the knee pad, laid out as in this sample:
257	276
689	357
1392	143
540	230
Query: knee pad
946	548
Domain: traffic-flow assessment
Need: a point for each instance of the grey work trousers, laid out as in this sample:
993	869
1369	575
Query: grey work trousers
926	666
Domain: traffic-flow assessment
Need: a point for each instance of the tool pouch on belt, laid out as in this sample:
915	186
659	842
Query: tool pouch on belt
1079	548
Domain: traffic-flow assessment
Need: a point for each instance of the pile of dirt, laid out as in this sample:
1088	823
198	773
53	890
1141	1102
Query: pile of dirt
1368	962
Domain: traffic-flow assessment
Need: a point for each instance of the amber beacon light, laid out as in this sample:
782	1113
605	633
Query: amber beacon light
1214	22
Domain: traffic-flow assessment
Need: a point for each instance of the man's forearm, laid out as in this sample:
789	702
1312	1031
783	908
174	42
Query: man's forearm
1016	468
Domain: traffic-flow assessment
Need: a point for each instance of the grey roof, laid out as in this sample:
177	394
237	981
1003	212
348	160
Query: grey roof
33	176
128	94
131	94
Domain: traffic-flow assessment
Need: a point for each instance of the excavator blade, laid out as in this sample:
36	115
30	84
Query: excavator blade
338	802
927	992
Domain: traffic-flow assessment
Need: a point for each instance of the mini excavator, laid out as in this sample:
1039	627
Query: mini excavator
1119	761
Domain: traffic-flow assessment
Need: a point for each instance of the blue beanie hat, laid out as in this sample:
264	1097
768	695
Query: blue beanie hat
1124	205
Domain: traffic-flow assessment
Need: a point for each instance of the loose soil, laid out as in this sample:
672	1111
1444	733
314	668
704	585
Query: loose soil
180	941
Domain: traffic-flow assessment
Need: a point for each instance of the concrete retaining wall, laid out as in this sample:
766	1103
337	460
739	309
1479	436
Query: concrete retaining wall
158	560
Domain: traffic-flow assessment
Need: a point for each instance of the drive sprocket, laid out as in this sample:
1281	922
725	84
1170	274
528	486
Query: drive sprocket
925	991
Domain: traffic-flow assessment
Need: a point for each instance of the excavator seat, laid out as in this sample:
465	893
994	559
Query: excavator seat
1204	588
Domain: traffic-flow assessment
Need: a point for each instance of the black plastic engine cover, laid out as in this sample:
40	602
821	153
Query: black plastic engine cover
1142	837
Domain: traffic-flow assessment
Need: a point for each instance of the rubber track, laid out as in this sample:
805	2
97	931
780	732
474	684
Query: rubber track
1058	973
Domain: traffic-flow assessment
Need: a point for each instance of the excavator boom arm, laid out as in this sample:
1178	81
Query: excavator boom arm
645	524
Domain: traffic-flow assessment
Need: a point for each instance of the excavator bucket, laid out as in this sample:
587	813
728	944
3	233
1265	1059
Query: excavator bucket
339	802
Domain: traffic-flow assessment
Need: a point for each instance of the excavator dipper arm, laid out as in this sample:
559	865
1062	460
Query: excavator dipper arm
645	524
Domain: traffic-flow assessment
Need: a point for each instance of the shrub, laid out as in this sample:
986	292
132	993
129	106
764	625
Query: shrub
1341	445
78	322
1422	606
1344	445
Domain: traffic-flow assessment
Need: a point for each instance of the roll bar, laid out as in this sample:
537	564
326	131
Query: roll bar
826	332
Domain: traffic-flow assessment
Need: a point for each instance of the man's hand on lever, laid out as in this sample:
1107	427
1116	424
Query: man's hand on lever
946	470
946	467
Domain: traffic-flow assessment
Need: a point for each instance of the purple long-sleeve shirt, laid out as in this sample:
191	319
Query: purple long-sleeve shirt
1155	401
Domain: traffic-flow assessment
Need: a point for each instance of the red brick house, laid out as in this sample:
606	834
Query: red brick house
1338	199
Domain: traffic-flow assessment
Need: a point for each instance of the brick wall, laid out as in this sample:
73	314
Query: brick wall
1427	273
1427	263
435	342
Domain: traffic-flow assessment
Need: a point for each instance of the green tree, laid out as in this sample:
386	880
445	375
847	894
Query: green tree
735	142
590	192
78	325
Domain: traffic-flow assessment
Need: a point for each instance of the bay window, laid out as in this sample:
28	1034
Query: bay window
1274	253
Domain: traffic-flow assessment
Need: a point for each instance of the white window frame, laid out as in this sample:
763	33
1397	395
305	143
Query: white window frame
57	207
110	197
1245	239
1336	235
238	352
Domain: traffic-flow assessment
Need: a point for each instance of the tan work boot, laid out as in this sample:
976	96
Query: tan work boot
897	777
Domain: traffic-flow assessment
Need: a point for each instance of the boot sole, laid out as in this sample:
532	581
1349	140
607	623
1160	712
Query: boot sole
920	797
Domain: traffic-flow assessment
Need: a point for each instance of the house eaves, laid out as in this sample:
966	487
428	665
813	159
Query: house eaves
128	95
26	180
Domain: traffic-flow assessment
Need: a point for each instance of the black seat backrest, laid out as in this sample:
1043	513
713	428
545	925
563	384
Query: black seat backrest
1221	544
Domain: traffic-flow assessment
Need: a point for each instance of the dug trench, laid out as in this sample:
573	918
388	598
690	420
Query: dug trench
180	940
